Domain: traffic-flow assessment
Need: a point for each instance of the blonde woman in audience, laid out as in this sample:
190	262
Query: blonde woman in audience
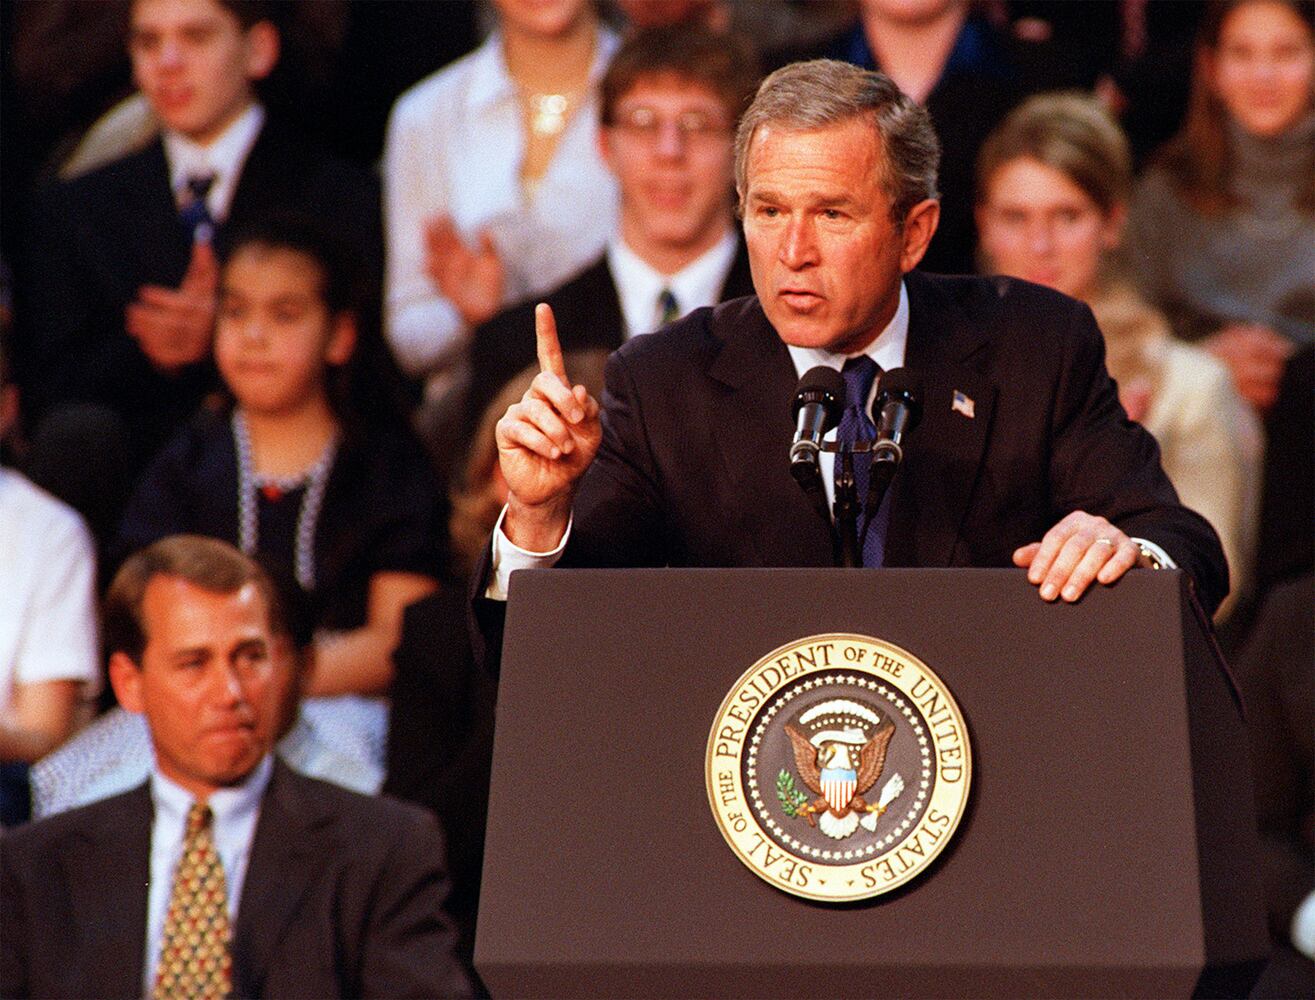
1223	224
1053	187
493	186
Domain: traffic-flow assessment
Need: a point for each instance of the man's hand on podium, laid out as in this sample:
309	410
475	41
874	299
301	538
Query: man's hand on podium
1079	549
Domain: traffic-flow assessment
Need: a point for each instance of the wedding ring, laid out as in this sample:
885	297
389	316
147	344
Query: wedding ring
1105	541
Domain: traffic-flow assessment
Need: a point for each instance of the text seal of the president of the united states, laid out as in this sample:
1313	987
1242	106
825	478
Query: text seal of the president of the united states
838	767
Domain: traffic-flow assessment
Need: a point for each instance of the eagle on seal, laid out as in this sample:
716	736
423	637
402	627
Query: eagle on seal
840	772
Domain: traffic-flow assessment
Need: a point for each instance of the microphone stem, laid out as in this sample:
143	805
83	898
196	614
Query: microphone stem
846	509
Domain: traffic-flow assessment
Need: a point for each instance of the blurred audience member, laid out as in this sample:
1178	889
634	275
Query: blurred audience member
226	873
1274	672
955	63
47	618
669	103
1223	225
308	466
1054	185
494	189
120	310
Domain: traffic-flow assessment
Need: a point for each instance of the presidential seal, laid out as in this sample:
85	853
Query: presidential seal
838	767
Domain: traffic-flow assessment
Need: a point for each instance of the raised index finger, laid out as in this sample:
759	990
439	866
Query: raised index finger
546	342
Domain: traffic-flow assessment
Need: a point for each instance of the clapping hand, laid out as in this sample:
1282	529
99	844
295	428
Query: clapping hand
174	326
470	279
545	443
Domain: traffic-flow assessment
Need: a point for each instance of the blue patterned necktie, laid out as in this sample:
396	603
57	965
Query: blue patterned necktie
195	213
668	308
855	426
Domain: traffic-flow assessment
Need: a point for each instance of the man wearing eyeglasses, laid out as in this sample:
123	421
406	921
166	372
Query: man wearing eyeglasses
669	103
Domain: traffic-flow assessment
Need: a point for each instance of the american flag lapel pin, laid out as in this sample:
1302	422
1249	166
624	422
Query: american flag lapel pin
962	404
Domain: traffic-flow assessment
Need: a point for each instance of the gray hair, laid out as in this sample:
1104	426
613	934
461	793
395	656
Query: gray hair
822	92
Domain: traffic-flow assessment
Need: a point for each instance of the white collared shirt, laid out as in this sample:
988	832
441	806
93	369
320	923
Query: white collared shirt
454	148
236	810
638	284
224	157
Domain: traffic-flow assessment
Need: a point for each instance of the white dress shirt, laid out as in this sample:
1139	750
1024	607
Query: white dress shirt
454	147
638	284
224	157
235	810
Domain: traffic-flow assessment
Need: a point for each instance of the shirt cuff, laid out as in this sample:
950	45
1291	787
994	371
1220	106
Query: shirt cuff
1156	556
509	557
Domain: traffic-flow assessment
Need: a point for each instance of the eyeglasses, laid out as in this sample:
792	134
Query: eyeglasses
646	124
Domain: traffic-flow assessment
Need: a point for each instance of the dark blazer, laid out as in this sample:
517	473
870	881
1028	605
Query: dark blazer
588	313
343	897
693	469
693	466
97	239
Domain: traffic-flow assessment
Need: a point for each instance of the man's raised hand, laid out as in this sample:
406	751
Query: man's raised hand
545	443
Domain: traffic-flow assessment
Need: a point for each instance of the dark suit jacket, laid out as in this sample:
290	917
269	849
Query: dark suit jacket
342	898
693	470
693	467
97	239
588	313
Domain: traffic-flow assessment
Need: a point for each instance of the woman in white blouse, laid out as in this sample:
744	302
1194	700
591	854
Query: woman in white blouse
494	189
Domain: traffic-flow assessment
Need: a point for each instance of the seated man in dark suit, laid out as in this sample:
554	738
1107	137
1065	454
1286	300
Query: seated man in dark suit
121	283
669	103
298	887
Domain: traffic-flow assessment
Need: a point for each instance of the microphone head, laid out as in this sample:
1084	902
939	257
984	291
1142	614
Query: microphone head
821	385
902	385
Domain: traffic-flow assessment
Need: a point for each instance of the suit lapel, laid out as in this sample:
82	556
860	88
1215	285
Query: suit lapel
146	197
753	430
288	844
595	310
268	181
108	872
946	449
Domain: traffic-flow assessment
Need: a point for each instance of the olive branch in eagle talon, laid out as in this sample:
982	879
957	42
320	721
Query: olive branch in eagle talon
792	799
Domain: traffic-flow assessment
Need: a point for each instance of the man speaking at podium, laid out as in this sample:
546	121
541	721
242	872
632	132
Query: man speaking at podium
1023	455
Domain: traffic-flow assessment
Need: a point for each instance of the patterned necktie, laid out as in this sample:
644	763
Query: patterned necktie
194	957
855	426
195	213
668	308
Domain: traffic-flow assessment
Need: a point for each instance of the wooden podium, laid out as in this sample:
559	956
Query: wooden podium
1109	846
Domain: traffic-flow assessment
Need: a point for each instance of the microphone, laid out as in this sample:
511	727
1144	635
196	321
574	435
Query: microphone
898	407
818	402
